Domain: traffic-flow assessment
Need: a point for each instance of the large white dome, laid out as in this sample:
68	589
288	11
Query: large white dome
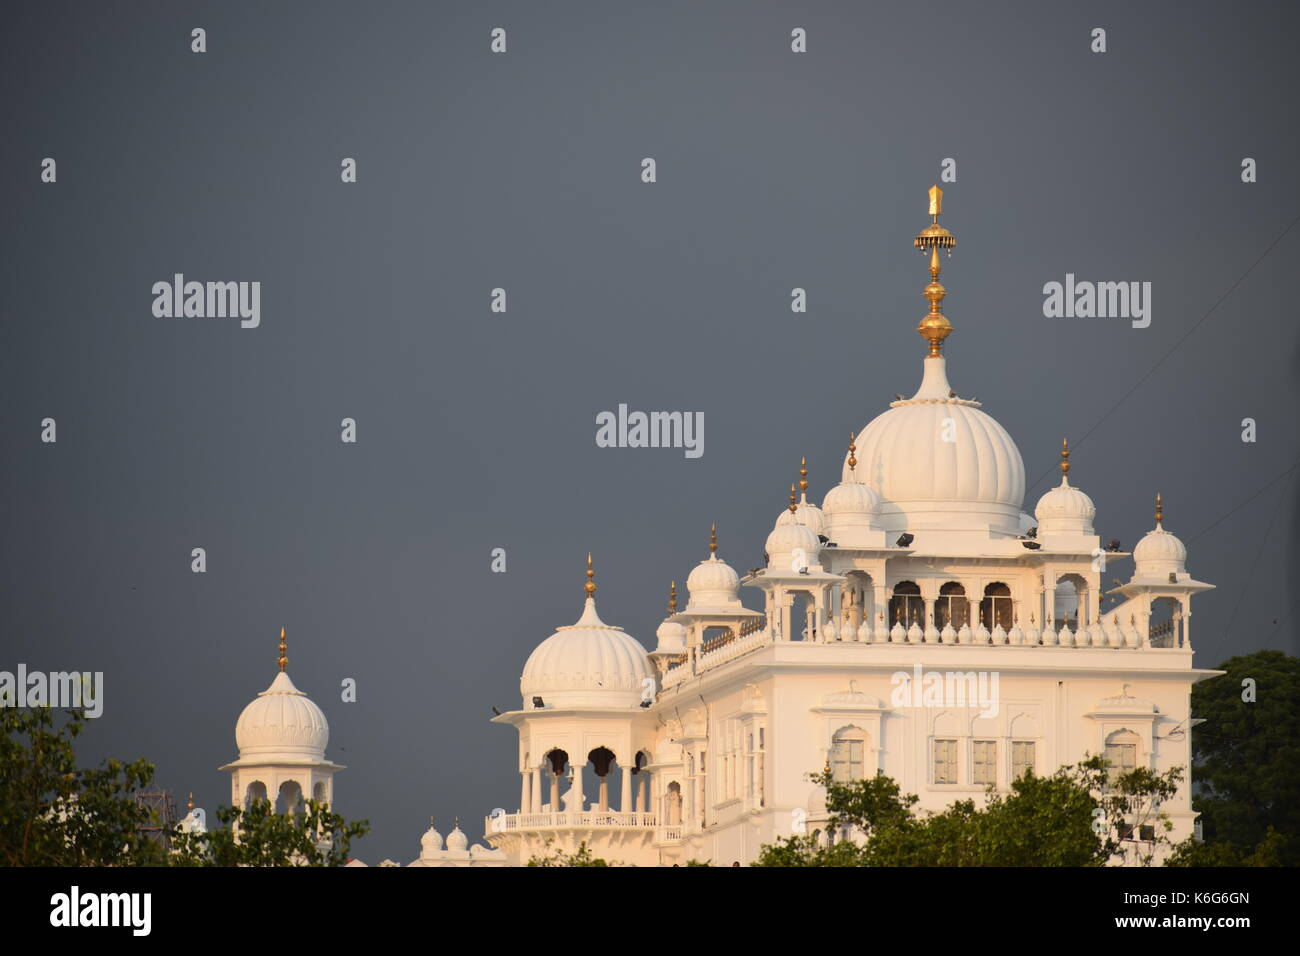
589	664
939	462
282	723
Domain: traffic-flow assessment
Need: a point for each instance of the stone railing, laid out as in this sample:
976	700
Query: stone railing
669	834
591	819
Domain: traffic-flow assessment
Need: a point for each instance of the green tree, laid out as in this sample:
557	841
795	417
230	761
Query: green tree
1246	757
582	856
1072	818
54	814
258	836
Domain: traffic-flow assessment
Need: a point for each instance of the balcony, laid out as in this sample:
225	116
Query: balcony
589	820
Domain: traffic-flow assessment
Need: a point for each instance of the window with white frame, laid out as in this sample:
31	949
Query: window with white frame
945	761
984	762
849	755
1022	758
1121	753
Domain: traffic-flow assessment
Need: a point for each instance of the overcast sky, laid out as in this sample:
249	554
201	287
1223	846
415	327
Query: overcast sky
476	430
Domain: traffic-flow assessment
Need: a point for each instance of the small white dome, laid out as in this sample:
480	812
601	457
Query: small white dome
850	498
788	540
588	664
282	723
1158	554
810	516
1065	510
671	637
712	584
431	842
457	841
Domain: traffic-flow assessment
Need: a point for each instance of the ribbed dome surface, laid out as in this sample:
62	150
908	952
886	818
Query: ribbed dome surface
940	462
589	664
1159	553
712	583
790	540
282	722
1065	510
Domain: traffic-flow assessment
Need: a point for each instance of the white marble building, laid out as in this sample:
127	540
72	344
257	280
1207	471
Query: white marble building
920	561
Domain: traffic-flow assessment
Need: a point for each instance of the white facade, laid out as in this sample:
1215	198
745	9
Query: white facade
921	561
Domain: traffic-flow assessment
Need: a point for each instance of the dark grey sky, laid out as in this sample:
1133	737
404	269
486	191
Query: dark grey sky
476	430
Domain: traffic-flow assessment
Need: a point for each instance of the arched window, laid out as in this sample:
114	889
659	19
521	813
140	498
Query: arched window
996	607
256	791
849	755
907	607
1069	601
952	607
674	809
1121	752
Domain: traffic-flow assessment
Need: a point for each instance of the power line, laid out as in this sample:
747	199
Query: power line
1271	483
1186	335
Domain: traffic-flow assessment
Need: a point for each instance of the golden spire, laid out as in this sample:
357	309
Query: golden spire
284	650
713	538
1160	510
793	505
1065	458
853	461
803	474
590	587
672	598
935	327
190	804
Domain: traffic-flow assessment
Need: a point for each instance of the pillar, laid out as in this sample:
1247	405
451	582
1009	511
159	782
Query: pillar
577	800
555	791
524	791
624	794
535	804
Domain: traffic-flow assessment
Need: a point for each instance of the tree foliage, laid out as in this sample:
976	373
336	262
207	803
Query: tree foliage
258	836
582	856
1075	817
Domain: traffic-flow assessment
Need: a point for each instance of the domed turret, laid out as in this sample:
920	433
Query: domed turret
791	546
457	842
851	507
1065	510
588	664
936	459
713	584
282	723
1159	553
431	842
671	635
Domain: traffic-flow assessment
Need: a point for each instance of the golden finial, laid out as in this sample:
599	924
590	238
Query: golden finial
672	598
284	650
1160	510
591	578
935	327
793	505
190	805
803	474
853	461
1065	458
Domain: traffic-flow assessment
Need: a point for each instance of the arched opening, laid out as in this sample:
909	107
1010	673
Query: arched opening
601	760
1070	601
849	755
255	791
320	793
951	607
906	606
639	780
673	804
555	762
857	602
714	637
289	799
996	608
1163	625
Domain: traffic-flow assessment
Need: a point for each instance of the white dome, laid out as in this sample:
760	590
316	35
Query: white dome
589	664
457	841
712	584
1158	554
851	498
431	842
671	637
940	462
810	516
788	539
1065	510
282	723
